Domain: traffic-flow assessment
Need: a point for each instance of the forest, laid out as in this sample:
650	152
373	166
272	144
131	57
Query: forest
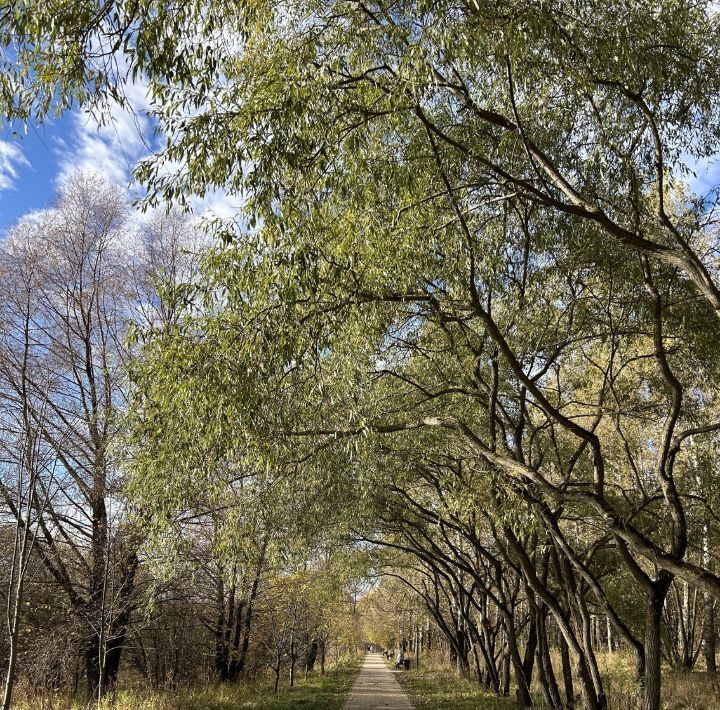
446	383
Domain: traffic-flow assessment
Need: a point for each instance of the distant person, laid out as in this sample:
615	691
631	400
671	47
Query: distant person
399	661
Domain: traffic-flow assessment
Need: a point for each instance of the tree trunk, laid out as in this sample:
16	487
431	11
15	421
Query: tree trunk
119	627
609	634
277	677
220	645
91	654
311	657
293	658
463	666
75	684
506	671
567	674
709	631
522	698
417	646
98	580
12	660
546	674
652	680
530	647
709	639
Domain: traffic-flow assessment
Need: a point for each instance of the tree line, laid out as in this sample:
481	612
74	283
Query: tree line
80	589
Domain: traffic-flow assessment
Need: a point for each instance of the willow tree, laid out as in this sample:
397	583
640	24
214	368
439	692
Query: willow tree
491	190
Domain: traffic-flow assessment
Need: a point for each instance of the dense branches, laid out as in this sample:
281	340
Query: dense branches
469	314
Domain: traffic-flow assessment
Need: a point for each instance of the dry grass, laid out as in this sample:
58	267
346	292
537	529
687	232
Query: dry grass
680	691
326	692
435	687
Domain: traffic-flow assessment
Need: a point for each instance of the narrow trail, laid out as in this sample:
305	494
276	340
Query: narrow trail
376	687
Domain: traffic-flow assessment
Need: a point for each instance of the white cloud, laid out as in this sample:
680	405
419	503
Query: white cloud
217	204
110	146
112	140
705	176
11	158
115	142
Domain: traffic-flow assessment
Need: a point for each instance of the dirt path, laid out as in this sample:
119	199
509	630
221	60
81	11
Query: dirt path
376	687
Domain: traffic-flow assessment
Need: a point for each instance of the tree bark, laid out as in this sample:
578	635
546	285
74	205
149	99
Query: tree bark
709	639
546	674
12	660
277	676
653	653
567	674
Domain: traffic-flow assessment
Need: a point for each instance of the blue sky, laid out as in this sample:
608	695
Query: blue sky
30	169
34	164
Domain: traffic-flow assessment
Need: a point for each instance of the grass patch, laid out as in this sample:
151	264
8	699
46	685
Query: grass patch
439	689
435	687
318	692
326	692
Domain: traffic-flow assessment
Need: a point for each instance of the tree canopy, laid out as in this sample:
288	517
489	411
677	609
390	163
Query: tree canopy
468	314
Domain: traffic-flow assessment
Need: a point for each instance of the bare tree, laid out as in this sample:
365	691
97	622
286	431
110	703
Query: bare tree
24	456
71	359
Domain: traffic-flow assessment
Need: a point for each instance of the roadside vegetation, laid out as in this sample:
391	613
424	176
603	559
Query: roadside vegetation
436	686
318	692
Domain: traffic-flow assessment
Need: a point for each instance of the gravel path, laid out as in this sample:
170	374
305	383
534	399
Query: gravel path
376	688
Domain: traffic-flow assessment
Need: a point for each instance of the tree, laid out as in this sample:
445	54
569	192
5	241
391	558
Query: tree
26	459
75	332
75	277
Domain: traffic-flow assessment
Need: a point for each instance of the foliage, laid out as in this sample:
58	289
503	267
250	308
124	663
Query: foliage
468	314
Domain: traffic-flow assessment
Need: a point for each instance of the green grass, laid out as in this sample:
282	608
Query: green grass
439	689
318	692
326	692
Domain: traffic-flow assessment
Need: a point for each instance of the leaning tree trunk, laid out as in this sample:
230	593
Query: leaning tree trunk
523	699
567	674
546	674
530	647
